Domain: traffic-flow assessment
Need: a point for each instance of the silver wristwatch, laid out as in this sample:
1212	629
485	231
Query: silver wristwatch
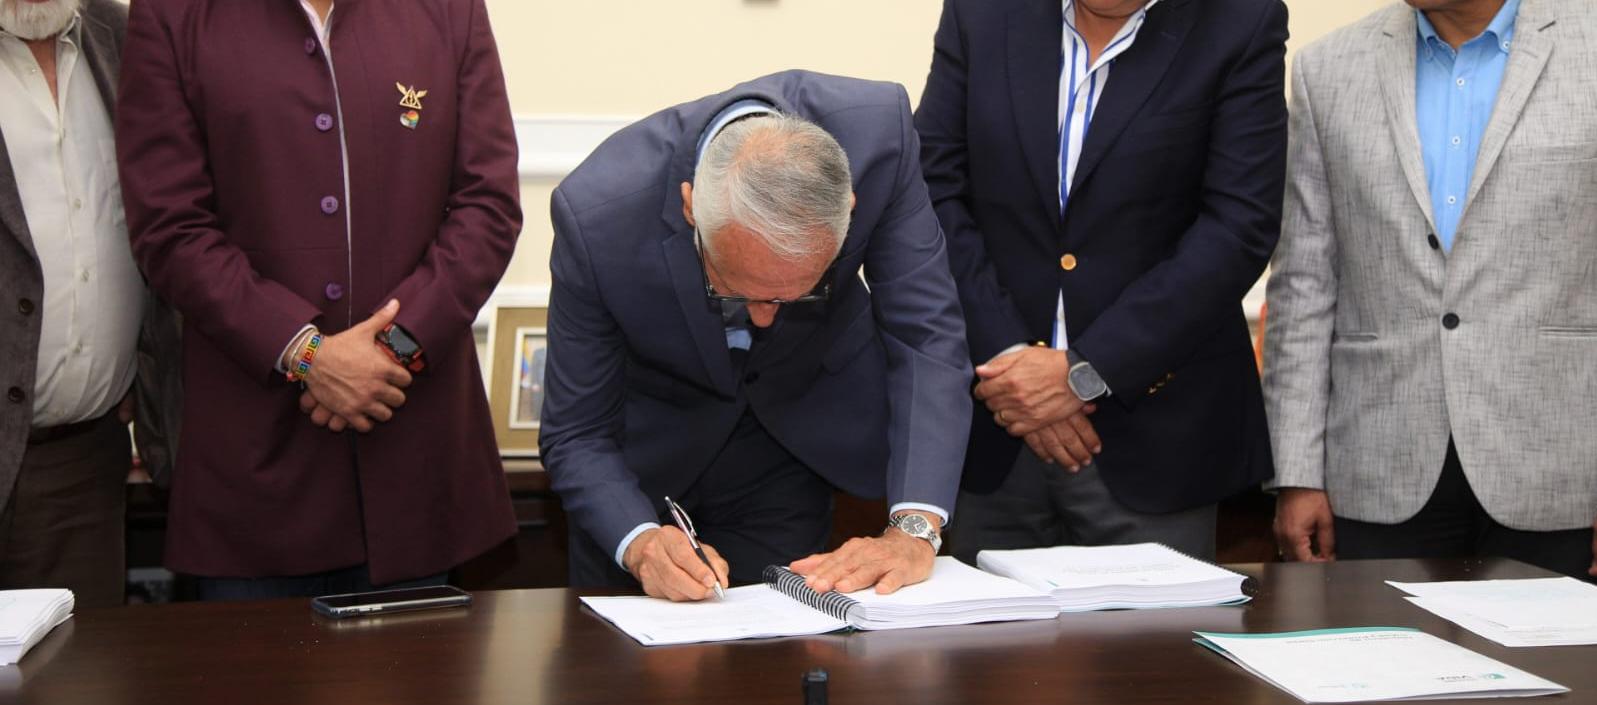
917	526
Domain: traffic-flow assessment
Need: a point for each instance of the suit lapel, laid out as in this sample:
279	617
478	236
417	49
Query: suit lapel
12	218
101	48
1532	46
1134	76
1036	31
1395	70
703	316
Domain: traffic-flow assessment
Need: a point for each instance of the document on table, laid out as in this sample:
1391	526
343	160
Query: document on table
1371	664
26	616
748	612
1135	576
784	605
1515	613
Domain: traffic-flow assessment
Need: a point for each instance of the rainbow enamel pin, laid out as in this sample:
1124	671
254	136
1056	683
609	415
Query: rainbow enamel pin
410	98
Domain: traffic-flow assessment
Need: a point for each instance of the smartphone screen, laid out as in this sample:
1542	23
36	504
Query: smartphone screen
391	600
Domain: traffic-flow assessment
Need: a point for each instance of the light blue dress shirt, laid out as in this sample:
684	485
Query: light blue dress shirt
1455	91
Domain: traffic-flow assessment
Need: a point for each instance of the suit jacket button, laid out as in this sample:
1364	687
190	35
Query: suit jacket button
15	395
1450	321
1434	243
1068	262
25	307
334	291
324	122
329	205
310	46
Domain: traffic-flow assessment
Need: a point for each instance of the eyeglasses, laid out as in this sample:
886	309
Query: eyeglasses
822	291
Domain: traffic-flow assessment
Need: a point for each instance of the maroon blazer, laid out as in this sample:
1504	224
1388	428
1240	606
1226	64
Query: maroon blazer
268	187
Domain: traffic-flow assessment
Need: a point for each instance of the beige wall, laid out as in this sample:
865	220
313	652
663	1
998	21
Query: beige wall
631	57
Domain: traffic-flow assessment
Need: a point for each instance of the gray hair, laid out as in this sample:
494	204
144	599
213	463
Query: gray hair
783	178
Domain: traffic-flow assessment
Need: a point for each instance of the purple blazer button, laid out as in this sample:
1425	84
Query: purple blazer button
329	205
310	46
334	291
324	122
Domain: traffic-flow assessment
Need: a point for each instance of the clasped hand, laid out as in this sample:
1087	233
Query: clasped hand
352	383
1027	393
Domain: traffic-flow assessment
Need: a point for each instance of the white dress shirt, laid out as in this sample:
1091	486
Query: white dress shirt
1081	87
64	160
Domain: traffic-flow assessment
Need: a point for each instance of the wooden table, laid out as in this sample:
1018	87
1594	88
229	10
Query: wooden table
541	646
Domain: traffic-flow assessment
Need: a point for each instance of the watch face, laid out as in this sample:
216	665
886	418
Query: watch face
914	524
401	343
1086	383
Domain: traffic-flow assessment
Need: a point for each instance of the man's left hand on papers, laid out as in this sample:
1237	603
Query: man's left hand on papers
889	562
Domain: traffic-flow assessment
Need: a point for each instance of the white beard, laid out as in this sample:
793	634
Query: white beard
33	21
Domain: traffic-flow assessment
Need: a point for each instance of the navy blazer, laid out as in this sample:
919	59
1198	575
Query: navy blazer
1174	211
869	389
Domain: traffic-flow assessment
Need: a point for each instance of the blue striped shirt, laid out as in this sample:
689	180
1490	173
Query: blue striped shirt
1081	86
1454	92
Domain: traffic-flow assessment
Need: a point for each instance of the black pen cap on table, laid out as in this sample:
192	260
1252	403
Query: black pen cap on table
815	686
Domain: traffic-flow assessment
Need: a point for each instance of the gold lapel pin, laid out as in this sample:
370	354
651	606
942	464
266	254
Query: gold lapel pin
410	97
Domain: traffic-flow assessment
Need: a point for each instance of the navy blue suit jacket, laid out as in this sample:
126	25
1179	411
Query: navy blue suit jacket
869	389
1174	211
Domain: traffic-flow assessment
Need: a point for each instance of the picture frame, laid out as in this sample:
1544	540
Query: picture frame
517	350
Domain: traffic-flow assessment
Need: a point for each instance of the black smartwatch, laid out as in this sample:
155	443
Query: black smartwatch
1084	380
401	347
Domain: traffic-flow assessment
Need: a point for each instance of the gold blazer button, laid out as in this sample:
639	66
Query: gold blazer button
1068	262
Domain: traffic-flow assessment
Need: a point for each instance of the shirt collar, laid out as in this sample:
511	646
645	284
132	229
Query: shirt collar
1501	29
740	109
70	34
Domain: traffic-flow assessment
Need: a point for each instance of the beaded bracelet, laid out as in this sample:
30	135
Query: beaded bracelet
303	366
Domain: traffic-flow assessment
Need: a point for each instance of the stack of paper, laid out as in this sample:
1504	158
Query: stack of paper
26	616
955	594
1138	576
1374	663
1536	612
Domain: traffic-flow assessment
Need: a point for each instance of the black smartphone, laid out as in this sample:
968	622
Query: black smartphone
360	604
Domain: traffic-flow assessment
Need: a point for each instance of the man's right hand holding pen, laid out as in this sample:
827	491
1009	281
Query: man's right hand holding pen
663	560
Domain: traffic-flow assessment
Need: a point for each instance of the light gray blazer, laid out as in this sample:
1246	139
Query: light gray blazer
1363	383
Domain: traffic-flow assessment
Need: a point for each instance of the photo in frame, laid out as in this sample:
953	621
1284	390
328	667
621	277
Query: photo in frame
526	393
517	347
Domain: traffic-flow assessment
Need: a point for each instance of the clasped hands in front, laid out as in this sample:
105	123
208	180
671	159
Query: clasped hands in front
663	561
1027	393
352	383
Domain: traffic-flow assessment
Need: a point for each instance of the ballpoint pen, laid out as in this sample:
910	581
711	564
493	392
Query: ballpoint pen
680	516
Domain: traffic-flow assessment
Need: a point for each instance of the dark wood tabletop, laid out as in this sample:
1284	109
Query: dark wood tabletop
542	646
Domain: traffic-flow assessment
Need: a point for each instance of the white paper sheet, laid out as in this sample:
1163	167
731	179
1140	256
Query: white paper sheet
748	612
1373	663
1516	613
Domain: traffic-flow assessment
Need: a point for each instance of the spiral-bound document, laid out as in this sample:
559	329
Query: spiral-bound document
784	606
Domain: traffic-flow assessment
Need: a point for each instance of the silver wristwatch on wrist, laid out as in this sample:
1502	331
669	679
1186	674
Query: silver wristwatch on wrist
1083	379
919	527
